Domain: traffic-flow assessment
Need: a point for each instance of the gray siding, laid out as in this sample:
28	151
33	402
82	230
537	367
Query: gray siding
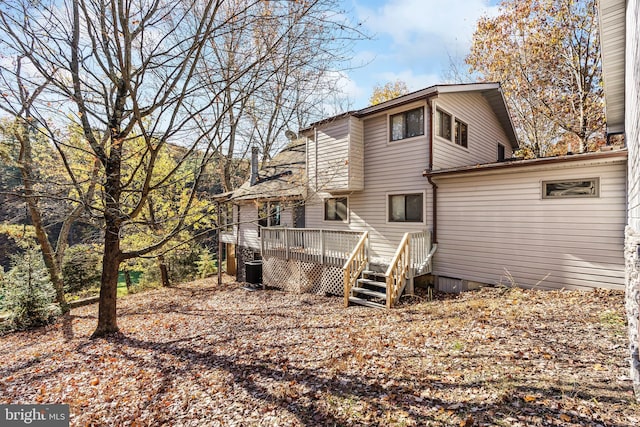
356	154
388	168
335	157
248	224
485	132
632	110
493	224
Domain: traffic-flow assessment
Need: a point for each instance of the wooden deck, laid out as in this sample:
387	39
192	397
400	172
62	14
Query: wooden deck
326	247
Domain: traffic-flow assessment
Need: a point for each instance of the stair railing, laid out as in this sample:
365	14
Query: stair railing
398	271
355	265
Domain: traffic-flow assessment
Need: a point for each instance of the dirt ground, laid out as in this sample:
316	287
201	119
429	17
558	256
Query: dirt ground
200	354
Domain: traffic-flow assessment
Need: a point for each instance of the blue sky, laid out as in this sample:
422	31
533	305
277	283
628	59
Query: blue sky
413	40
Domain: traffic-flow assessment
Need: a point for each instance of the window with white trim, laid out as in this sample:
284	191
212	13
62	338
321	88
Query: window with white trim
443	124
336	209
406	207
269	214
407	124
226	222
587	187
460	133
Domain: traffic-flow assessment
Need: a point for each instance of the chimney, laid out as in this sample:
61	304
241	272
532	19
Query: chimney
254	165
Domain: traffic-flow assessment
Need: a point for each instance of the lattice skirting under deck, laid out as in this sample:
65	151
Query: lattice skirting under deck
302	277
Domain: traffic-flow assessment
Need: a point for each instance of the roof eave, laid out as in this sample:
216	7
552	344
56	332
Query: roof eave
612	15
511	165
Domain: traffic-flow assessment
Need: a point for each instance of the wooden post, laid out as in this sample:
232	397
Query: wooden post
286	243
321	247
219	246
409	267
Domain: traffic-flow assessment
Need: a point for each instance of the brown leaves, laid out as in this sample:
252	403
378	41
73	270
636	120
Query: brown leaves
199	354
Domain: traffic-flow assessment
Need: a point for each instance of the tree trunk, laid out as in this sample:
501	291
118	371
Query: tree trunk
127	281
107	317
48	253
164	271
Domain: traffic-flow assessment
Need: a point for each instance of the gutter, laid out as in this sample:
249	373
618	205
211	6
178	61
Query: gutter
616	155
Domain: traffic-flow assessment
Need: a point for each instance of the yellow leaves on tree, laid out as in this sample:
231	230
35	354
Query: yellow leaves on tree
387	92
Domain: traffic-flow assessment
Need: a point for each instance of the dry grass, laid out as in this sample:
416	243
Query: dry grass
201	354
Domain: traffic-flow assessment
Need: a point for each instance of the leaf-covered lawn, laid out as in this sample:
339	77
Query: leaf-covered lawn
201	354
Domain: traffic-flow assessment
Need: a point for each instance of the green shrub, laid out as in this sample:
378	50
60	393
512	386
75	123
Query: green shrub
182	265
28	294
81	268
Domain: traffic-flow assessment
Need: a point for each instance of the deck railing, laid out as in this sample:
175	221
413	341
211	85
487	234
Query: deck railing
355	265
398	271
327	247
421	252
412	258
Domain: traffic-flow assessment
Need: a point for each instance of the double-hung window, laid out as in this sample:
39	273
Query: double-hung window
407	124
406	207
336	209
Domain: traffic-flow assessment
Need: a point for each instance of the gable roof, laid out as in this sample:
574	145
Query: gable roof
282	177
491	91
612	49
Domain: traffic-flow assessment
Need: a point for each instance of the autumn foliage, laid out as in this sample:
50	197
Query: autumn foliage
546	54
390	90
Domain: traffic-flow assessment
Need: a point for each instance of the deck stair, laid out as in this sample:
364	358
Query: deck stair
370	290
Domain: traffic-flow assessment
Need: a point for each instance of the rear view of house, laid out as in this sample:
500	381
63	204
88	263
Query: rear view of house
426	184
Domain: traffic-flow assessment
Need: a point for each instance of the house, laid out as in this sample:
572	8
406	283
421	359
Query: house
426	183
620	40
273	197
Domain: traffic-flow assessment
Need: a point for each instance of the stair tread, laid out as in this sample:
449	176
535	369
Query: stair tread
373	273
368	303
369	292
372	283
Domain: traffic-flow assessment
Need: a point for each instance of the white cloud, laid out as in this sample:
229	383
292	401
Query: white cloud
419	24
413	81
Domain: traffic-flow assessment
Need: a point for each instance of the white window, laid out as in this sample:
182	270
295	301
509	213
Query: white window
407	124
336	209
461	134
588	187
269	214
443	124
406	207
226	221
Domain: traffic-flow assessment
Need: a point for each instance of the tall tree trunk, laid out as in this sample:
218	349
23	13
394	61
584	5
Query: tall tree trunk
107	318
164	271
48	253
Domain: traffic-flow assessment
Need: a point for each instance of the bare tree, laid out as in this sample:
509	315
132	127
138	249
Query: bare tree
134	71
26	125
304	46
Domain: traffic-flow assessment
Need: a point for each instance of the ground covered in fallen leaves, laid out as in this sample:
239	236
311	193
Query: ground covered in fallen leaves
201	354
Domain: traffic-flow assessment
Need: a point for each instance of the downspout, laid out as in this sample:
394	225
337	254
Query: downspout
315	160
434	192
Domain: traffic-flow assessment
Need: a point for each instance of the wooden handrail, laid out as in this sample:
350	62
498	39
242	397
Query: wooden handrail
396	274
355	265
